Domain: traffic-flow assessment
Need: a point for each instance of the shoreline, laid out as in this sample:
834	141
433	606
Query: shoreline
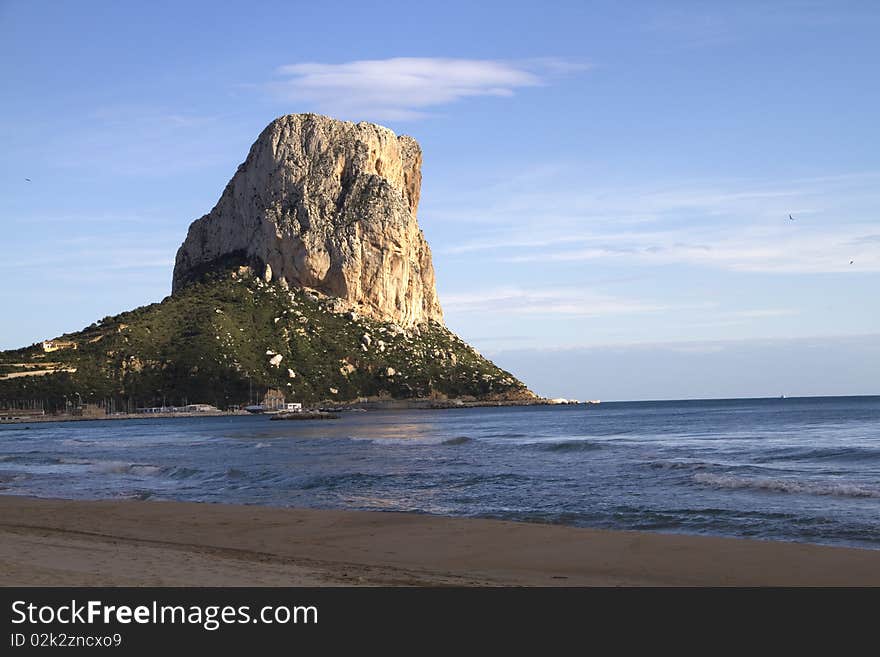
46	542
119	417
376	405
409	405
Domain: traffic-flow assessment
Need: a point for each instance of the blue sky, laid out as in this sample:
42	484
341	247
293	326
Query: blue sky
605	184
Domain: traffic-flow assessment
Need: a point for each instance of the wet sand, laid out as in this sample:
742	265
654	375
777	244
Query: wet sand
132	543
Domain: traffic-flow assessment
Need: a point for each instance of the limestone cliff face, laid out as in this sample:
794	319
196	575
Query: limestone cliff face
329	205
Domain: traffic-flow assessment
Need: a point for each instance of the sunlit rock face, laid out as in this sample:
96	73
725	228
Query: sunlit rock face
328	205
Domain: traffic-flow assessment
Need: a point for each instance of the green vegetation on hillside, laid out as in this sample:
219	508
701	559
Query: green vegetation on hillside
217	341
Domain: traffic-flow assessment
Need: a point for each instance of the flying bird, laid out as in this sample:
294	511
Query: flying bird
28	179
790	218
851	261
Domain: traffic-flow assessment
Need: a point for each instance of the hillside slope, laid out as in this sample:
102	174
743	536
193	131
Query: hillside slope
218	341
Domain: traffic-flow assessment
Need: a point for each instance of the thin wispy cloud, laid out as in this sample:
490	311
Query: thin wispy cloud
92	252
758	251
80	219
144	116
735	225
131	139
404	88
97	261
707	346
763	312
714	26
573	302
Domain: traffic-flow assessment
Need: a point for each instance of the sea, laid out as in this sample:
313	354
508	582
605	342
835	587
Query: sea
802	469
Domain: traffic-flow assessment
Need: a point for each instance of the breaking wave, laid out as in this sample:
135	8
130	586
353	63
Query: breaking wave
787	486
121	467
842	454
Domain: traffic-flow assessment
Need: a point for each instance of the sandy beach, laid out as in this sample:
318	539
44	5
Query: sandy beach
46	542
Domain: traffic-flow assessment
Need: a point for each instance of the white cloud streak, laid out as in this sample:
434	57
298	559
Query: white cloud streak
703	346
544	301
734	226
403	88
776	250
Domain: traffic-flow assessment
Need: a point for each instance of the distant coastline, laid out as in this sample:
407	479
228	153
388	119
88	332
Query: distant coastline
416	404
376	405
116	416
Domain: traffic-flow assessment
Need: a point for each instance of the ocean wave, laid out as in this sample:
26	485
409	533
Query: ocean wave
581	445
787	485
73	461
501	478
836	453
244	478
181	472
139	442
30	458
334	481
138	495
678	465
141	469
43	463
77	441
458	440
543	517
122	467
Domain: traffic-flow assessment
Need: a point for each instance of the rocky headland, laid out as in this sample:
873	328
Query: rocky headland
310	276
